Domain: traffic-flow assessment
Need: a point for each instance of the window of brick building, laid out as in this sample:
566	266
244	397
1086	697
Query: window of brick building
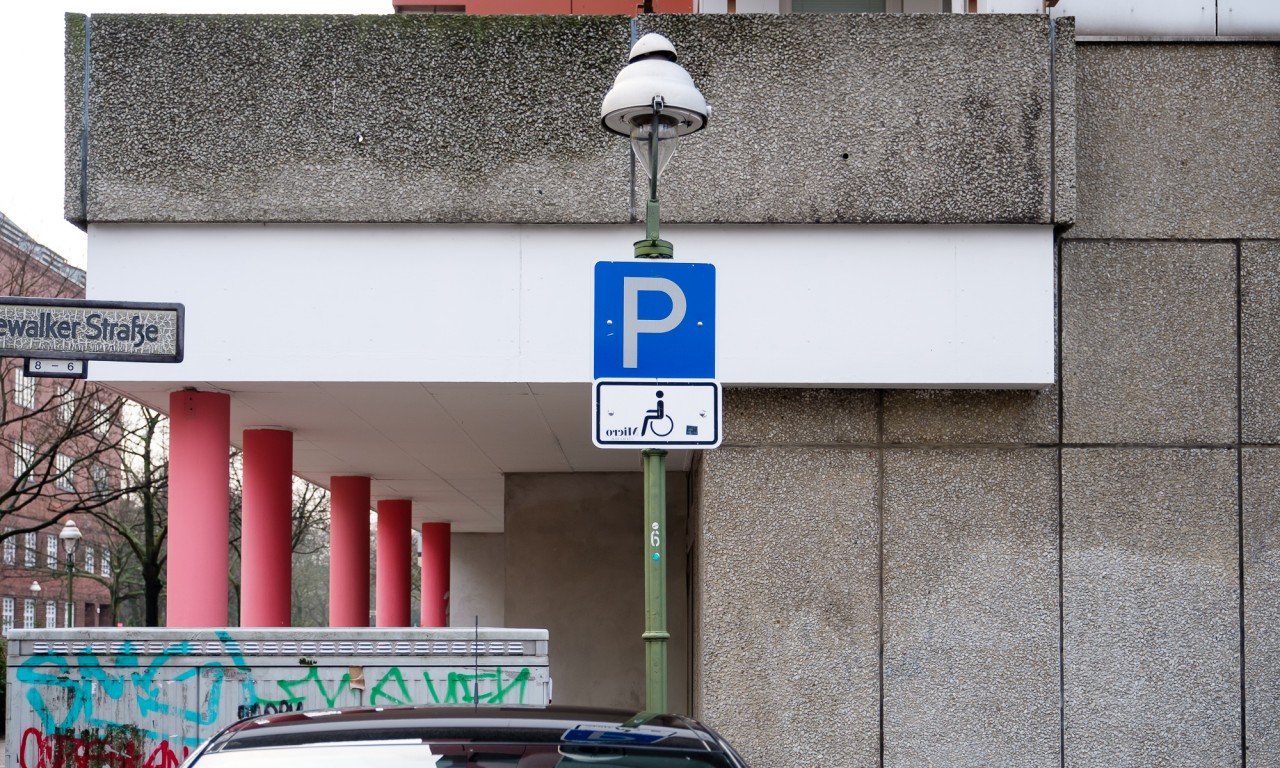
29	551
101	480
66	405
51	551
65	480
106	562
51	614
24	390
29	613
102	418
23	456
88	558
6	615
10	548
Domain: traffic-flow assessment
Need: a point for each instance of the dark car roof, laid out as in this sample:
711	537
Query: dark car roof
487	724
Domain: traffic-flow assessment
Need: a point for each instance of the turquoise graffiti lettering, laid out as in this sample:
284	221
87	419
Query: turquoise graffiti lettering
131	683
175	696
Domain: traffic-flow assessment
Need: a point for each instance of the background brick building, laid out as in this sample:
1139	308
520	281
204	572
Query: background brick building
56	436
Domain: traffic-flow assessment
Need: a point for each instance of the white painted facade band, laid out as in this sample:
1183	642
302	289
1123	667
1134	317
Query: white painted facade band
820	305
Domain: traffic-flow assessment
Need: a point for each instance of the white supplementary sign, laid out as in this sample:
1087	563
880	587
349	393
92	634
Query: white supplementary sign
633	413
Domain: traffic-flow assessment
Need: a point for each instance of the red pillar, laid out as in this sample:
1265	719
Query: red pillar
394	553
349	552
199	499
266	549
435	574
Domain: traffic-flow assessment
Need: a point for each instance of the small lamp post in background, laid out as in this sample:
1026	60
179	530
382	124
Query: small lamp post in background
35	598
654	102
70	537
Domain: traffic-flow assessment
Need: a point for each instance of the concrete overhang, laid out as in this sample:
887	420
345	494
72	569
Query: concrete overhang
492	121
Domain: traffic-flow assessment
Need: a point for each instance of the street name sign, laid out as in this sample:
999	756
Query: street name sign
655	319
632	413
77	329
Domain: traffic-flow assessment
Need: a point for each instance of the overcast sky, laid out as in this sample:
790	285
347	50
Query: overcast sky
31	138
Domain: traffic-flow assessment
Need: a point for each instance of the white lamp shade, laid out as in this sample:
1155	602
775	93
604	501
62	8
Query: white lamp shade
653	73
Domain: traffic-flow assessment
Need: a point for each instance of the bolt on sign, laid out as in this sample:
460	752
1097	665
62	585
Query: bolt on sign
78	329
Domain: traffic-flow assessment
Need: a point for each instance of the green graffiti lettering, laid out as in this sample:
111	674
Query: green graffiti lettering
378	692
313	678
468	686
431	688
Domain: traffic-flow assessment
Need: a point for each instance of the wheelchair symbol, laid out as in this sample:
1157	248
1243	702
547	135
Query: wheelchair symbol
656	418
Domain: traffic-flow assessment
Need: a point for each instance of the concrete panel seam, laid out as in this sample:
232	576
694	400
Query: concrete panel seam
1190	446
1244	725
1166	240
1062	615
880	504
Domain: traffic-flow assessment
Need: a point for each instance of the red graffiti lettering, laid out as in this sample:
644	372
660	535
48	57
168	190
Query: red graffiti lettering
164	757
64	750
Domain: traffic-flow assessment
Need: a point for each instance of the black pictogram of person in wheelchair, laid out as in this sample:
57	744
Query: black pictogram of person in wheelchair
656	419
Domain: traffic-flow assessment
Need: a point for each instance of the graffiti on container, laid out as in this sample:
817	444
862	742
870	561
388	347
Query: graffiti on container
259	708
166	698
63	696
115	747
460	688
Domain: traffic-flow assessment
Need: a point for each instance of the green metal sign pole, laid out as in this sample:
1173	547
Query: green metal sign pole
655	579
655	483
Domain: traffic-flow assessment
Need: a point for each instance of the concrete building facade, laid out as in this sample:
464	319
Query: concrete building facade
918	565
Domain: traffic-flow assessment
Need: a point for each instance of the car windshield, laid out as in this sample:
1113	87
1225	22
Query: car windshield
418	754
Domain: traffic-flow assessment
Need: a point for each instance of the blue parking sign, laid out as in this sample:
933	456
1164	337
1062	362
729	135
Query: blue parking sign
655	319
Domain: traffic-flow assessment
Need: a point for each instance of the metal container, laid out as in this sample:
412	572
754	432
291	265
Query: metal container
145	697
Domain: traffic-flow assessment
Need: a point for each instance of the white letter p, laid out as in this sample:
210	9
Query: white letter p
633	326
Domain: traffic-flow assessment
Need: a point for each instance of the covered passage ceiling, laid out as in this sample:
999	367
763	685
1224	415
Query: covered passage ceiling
445	446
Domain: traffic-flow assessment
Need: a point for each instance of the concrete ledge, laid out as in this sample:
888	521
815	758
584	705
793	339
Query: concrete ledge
436	118
351	118
867	118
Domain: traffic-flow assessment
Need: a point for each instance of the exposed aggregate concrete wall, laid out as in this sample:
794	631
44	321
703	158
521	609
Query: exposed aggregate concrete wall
1084	576
438	118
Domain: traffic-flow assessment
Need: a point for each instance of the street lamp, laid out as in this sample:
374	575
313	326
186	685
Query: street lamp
70	537
654	102
35	600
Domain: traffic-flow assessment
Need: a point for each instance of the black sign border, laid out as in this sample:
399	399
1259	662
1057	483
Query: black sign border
151	306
